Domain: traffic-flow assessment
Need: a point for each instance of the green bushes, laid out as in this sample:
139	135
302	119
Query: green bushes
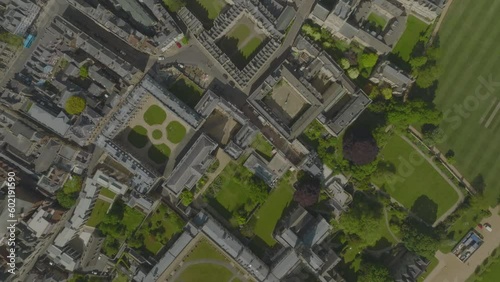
67	196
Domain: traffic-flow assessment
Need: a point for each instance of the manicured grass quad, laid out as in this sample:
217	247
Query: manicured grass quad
238	191
470	67
410	37
138	137
155	115
271	211
205	271
241	33
175	132
415	184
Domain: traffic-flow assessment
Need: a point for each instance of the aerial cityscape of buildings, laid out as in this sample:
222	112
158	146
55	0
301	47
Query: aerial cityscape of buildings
248	140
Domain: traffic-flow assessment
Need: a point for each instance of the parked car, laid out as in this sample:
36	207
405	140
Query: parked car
487	226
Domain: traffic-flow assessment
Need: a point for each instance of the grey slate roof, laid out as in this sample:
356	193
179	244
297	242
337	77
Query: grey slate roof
192	166
320	12
58	124
285	18
286	264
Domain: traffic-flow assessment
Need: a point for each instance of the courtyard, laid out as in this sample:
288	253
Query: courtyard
286	102
243	41
415	183
155	132
160	226
235	193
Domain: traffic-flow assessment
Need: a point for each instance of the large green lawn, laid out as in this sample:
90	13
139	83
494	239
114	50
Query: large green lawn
154	115
410	37
98	212
469	40
272	210
160	227
236	191
205	271
415	183
186	90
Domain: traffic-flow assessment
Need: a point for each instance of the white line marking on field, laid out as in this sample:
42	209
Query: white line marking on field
492	115
489	109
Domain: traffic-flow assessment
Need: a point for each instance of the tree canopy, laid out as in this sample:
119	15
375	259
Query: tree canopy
419	238
307	191
186	197
368	60
374	272
75	105
359	146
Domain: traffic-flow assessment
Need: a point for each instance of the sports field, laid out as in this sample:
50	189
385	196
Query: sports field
468	92
415	183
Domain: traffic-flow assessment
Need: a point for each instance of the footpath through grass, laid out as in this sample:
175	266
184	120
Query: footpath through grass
415	183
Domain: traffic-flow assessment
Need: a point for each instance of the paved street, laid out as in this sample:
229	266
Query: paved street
48	13
24	270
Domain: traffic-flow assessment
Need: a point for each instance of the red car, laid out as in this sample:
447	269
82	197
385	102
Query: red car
178	45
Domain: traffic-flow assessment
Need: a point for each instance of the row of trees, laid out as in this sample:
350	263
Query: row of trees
355	60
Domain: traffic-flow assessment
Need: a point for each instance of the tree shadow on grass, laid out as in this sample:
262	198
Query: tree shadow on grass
479	184
200	12
229	45
425	208
156	155
185	92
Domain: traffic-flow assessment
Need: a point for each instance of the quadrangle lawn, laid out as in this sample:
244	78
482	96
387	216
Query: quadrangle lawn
247	41
234	191
205	271
415	184
410	37
272	210
98	212
471	45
